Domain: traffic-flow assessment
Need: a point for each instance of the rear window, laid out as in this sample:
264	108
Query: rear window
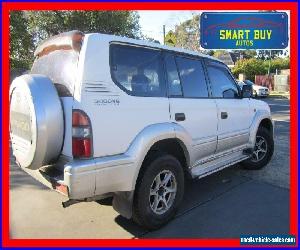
137	71
61	67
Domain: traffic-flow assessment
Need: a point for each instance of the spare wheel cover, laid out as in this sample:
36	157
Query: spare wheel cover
36	121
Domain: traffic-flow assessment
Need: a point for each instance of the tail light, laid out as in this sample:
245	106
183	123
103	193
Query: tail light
81	135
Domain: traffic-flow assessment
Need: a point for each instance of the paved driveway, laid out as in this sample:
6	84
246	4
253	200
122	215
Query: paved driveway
226	204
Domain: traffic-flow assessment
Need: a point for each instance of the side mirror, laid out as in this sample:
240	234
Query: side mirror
229	93
246	91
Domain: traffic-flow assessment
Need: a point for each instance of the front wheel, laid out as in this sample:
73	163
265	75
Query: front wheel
263	150
159	191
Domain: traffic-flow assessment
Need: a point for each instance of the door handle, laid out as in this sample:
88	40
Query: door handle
224	115
179	117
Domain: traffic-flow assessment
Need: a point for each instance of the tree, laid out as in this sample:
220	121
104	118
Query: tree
188	34
30	27
21	44
254	66
249	67
277	64
47	23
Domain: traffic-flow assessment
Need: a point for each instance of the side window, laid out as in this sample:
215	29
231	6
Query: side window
138	71
222	83
192	77
172	76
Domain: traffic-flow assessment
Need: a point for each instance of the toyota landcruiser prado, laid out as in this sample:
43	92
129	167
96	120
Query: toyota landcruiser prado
105	116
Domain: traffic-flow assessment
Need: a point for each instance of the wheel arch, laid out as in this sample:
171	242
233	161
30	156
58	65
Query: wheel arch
159	137
262	118
171	146
267	124
151	138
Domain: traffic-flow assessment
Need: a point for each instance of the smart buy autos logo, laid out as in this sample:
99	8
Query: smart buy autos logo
245	37
244	30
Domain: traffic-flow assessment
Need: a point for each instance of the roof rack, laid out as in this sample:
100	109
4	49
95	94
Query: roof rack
71	40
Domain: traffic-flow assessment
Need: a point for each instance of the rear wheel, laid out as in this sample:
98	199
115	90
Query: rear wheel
159	191
263	150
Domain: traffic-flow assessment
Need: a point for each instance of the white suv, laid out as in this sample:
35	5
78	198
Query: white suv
102	115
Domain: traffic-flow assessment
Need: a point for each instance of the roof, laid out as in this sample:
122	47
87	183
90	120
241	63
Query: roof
146	43
70	40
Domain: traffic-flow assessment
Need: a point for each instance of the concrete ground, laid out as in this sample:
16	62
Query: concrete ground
227	204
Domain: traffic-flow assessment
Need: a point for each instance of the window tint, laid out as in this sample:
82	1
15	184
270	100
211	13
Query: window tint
192	77
172	76
222	83
137	70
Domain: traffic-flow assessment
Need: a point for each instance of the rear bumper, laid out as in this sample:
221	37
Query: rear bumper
98	176
80	179
118	173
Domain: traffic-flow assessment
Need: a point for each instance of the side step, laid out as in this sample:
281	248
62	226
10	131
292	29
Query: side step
218	164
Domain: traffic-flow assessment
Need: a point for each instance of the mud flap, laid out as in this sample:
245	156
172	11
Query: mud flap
122	203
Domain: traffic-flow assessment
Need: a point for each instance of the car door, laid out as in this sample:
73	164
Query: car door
233	112
124	92
190	105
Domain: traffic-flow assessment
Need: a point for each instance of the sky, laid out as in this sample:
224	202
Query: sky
152	21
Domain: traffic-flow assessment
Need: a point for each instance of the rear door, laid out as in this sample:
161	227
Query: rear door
190	105
233	112
123	92
61	67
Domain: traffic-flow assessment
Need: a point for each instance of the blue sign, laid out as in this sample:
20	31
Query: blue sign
244	30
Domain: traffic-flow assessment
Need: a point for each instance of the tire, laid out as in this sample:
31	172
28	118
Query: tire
145	211
36	121
259	159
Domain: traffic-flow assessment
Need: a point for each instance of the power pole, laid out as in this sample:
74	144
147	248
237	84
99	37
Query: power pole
164	33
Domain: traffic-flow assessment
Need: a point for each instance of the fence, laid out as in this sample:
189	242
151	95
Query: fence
274	82
265	80
282	83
